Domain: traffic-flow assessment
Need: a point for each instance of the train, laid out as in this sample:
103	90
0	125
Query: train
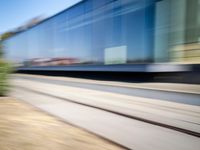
111	35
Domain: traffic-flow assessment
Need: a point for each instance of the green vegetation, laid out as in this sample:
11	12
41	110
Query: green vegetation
6	35
4	71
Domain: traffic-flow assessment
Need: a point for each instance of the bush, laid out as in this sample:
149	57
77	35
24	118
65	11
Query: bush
4	71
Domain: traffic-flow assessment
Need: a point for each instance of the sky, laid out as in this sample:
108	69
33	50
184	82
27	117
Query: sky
14	13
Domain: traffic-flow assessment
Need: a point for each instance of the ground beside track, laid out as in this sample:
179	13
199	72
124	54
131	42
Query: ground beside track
23	127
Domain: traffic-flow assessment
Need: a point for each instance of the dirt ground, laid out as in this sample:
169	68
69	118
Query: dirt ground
23	127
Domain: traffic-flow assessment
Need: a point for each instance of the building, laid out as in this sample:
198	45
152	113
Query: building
109	32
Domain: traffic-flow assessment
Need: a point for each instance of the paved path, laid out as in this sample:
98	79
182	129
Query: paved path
129	132
181	93
176	87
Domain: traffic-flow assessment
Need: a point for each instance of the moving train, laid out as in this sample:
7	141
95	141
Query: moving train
111	35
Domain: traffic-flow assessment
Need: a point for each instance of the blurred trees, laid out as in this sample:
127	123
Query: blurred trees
4	72
6	35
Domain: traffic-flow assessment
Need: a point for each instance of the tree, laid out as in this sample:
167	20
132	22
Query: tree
4	71
1	50
6	35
